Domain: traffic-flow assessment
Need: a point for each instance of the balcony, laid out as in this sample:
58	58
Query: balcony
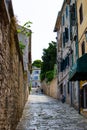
79	69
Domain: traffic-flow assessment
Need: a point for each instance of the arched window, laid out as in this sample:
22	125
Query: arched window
83	47
81	13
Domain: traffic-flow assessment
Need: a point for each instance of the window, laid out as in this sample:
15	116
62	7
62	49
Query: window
63	39
66	11
61	89
83	48
35	83
83	94
63	20
73	14
76	47
66	35
36	72
35	77
81	13
68	91
67	58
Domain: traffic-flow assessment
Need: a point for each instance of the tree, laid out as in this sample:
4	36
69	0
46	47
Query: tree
49	59
37	63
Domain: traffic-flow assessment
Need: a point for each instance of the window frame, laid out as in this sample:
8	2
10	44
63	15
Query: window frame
81	13
83	47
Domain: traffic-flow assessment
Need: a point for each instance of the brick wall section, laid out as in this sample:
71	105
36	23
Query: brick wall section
50	89
12	92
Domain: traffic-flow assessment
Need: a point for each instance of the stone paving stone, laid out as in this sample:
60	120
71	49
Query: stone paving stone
45	113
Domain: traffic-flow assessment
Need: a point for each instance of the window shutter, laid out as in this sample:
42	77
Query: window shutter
63	39
66	35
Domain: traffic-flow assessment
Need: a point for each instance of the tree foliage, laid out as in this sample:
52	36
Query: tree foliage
49	75
49	59
37	63
25	29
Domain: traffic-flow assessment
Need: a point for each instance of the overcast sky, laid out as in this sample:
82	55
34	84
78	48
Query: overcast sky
43	14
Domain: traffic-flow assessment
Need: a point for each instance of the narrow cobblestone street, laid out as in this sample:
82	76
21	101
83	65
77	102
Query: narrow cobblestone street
45	113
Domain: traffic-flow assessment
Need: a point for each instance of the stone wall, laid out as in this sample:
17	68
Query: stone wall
50	89
13	94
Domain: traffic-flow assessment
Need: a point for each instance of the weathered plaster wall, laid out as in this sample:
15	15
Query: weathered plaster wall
13	93
50	89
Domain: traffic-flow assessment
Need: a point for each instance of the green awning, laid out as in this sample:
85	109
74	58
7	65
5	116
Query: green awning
79	69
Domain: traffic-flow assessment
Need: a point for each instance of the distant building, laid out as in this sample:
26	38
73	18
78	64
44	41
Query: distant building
26	41
36	77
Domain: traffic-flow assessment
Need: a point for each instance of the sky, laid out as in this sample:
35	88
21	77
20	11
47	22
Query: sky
43	15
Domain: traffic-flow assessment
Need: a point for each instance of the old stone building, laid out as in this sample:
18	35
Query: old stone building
71	31
67	52
74	55
62	28
12	90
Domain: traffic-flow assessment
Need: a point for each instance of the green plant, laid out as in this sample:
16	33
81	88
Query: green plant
22	47
49	76
37	63
25	29
42	76
48	61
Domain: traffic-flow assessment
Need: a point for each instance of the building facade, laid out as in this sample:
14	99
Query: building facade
74	54
82	41
36	77
67	51
25	41
71	31
62	27
79	69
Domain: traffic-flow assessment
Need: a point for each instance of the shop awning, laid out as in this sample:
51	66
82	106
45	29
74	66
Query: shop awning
79	70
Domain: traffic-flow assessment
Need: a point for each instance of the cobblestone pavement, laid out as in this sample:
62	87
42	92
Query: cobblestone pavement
45	113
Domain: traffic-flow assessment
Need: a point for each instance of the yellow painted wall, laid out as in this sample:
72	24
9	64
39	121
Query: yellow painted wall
81	83
81	35
83	25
